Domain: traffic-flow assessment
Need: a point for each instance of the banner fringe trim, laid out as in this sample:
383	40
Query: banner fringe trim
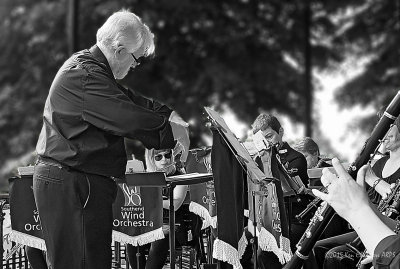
27	240
242	245
139	240
267	242
227	253
203	213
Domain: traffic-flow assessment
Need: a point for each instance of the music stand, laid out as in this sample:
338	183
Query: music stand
142	179
4	198
172	182
245	161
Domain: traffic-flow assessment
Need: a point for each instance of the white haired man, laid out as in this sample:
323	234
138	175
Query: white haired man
81	145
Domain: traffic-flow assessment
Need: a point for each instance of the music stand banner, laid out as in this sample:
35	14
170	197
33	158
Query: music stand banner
203	203
25	222
229	180
137	215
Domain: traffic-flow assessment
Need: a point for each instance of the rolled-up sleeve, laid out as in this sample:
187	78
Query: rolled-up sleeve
108	108
387	252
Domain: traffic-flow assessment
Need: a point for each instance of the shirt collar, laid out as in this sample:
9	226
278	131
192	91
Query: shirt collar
98	54
284	148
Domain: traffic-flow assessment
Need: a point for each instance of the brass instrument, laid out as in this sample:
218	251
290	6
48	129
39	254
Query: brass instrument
325	212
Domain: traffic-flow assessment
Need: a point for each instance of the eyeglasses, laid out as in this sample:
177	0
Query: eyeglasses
159	157
138	61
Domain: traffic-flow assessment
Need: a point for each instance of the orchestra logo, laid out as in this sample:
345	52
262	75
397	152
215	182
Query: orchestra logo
131	195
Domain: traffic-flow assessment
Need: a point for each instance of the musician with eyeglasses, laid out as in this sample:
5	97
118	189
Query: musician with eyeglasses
81	145
163	161
338	251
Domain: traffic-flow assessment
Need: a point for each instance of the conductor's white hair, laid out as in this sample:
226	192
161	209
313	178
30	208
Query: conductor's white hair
126	28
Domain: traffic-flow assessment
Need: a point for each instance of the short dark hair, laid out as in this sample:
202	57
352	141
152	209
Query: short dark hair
263	121
307	145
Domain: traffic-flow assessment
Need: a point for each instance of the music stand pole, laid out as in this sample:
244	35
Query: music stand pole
255	239
2	214
171	226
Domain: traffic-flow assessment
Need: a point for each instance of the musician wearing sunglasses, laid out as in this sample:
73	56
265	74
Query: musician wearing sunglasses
87	115
163	161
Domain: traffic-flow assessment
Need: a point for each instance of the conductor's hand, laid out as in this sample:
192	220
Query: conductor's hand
180	130
345	195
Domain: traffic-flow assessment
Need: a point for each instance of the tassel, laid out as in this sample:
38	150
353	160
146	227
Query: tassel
27	240
204	214
139	240
225	252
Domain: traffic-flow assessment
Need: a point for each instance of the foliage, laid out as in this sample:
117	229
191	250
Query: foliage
372	33
248	55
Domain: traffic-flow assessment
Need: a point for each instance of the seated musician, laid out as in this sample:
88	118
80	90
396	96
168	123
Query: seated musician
162	160
296	165
350	201
310	150
332	252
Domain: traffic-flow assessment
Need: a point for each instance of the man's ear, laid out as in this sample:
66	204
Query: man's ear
120	48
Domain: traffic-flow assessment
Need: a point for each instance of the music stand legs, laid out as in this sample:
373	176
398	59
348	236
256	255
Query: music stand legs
171	227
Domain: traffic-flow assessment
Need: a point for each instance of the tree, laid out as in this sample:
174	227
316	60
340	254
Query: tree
248	55
372	33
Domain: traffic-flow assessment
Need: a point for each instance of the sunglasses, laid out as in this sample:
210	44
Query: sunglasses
159	157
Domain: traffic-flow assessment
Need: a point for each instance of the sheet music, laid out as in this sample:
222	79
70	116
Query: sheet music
239	148
259	141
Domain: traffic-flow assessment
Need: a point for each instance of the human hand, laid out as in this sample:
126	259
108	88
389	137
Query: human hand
175	118
367	259
181	135
345	195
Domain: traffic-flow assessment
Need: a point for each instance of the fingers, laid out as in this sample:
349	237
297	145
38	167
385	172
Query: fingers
341	172
184	156
327	177
319	194
367	260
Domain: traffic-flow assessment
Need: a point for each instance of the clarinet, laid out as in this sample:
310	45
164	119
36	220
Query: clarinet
315	202
325	212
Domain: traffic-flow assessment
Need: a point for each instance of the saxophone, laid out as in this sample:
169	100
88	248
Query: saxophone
325	212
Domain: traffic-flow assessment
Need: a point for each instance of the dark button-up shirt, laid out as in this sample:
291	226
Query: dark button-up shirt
87	115
294	162
387	253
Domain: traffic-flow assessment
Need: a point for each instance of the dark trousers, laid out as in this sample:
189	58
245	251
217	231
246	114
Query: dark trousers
322	247
75	211
341	257
157	256
36	258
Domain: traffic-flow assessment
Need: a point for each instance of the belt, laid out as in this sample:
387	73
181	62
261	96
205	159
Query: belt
52	162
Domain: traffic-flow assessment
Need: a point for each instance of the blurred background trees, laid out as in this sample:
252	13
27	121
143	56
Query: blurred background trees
245	55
